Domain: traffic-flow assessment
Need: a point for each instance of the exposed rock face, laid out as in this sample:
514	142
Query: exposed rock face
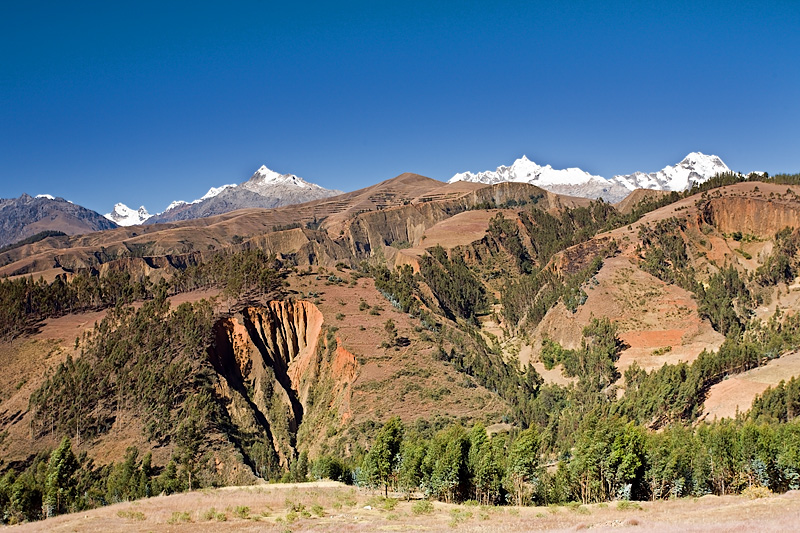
762	217
275	368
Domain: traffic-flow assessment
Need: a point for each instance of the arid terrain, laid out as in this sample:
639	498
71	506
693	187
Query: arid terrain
328	506
296	333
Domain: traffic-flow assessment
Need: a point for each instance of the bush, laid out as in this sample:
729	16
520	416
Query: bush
179	517
422	507
626	505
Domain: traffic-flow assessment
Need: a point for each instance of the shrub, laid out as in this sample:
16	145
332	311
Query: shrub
422	507
133	515
179	517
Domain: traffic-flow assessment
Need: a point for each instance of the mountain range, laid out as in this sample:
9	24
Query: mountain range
25	216
268	189
695	168
265	189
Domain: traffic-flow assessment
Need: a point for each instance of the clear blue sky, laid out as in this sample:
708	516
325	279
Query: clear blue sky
146	103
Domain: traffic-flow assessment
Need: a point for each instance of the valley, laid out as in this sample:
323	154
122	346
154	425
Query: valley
596	341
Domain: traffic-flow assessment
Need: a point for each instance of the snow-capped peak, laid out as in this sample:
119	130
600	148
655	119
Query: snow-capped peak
267	174
694	169
48	196
265	179
125	216
526	171
214	191
174	204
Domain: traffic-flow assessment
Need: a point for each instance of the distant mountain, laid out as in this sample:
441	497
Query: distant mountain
25	216
695	168
123	215
569	181
266	189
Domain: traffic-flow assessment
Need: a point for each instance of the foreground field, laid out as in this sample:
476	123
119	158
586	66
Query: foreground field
328	506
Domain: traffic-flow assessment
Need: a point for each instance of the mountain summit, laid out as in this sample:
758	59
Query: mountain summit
695	168
26	216
526	171
122	215
267	182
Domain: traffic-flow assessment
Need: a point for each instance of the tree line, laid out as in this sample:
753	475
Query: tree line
611	458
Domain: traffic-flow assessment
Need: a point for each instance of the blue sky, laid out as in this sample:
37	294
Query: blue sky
146	103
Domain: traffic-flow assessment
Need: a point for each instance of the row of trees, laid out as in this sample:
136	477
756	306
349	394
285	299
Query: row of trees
611	459
61	482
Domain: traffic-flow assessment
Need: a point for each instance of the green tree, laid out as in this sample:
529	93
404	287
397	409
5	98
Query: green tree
446	464
60	483
299	468
523	463
380	463
627	462
412	455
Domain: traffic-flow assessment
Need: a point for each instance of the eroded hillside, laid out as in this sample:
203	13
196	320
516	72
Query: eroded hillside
245	345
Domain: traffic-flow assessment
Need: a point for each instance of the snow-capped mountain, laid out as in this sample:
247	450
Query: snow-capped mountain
265	182
695	168
212	192
123	215
571	181
265	188
526	171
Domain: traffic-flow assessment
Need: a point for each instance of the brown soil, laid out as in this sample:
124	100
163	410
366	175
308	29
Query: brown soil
406	381
658	322
459	230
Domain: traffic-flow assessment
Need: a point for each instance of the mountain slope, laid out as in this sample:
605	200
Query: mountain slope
265	189
507	294
25	216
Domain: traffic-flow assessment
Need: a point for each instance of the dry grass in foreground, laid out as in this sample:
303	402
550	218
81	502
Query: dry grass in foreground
328	506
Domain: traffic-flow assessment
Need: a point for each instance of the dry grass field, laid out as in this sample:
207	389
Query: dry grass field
328	506
736	394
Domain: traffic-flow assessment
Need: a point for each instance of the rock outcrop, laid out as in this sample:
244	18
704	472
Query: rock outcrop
277	369
761	217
